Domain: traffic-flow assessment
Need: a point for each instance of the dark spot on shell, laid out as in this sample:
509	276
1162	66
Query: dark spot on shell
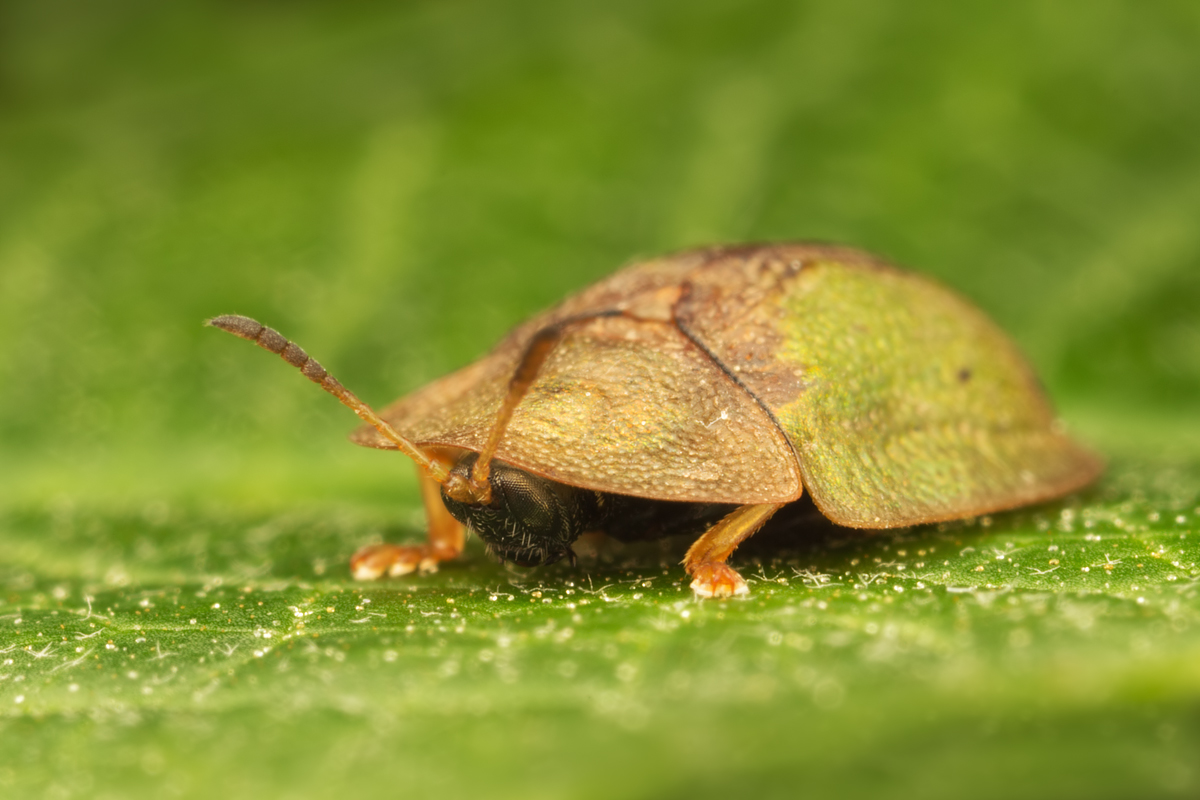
964	375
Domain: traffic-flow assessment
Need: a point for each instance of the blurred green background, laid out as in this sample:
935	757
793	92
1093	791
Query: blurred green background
394	186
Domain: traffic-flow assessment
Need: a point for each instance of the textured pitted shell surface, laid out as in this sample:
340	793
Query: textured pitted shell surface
744	374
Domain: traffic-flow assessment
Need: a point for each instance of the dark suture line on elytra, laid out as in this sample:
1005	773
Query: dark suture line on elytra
694	339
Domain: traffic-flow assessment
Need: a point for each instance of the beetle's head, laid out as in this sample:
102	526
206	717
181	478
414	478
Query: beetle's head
531	520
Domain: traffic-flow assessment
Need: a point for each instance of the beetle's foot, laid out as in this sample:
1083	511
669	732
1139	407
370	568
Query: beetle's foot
377	560
716	579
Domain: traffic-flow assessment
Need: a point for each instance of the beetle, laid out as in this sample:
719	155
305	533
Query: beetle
703	391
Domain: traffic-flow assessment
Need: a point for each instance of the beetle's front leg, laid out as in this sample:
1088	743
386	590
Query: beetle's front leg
705	559
446	540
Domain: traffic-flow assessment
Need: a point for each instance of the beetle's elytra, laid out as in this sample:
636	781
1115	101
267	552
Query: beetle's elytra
705	390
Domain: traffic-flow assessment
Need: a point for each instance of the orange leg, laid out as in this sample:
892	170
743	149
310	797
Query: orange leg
446	540
705	559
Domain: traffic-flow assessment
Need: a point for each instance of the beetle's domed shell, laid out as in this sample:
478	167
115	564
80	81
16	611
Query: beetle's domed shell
743	375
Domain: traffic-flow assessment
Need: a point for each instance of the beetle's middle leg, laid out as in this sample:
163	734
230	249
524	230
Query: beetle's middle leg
705	559
446	540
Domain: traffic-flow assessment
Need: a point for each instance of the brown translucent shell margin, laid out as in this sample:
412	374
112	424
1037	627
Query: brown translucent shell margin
726	379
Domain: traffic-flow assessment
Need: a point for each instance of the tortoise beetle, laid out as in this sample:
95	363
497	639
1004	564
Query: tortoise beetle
705	390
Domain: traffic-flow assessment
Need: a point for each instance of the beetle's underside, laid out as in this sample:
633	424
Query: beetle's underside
731	380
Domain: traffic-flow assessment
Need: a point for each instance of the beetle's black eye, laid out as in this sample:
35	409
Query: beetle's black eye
527	498
531	521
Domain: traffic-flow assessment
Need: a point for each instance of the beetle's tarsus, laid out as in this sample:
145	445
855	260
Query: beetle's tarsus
378	560
717	580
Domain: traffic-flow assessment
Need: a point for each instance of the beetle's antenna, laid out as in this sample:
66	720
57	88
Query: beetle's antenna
535	355
270	339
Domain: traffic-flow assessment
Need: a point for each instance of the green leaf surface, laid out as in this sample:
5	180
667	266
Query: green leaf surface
199	643
394	188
